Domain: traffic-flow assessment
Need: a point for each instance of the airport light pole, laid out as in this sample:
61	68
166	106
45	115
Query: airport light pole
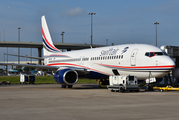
62	35
7	54
62	38
106	41
156	23
4	35
4	57
91	27
31	55
19	47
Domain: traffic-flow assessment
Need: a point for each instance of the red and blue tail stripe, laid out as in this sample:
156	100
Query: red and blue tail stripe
47	45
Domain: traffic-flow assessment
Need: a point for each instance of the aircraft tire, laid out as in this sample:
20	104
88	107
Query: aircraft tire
70	86
63	86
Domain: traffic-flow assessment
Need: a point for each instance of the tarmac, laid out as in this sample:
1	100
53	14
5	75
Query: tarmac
84	102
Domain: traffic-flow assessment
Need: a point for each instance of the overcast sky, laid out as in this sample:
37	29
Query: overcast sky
119	21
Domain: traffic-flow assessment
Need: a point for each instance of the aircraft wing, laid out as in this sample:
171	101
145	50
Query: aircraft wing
32	66
25	56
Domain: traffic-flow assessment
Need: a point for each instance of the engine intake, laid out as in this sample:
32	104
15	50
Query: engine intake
66	77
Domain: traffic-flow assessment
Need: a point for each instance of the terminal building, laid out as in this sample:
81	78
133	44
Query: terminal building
173	52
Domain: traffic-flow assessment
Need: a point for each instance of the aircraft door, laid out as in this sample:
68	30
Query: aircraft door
133	57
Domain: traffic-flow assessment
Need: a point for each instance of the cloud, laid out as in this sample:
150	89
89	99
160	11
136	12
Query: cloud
73	12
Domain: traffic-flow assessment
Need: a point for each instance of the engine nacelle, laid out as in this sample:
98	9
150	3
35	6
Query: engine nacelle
66	77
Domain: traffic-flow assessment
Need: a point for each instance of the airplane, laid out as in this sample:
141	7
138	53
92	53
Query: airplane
141	60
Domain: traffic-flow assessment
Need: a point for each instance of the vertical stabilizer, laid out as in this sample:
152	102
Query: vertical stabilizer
48	47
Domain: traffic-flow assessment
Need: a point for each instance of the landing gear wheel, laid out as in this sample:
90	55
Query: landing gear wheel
70	86
63	86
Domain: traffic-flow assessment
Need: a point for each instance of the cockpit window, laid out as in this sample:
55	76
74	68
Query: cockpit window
158	53
165	53
152	54
147	54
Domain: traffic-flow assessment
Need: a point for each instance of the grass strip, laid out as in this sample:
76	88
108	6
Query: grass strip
41	80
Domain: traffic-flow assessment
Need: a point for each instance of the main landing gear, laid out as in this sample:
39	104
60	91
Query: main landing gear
65	86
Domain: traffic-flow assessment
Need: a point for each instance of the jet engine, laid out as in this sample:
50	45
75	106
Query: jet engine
66	77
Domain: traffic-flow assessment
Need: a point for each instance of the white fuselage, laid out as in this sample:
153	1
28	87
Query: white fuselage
140	60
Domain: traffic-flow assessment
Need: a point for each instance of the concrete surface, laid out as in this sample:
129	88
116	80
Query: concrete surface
84	102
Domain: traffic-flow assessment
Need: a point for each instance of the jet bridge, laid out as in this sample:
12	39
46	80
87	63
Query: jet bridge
173	52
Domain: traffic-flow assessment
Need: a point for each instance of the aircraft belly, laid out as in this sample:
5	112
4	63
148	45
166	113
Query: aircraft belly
142	75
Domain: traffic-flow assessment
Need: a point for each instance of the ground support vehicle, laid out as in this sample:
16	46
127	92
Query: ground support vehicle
27	78
5	82
167	88
123	83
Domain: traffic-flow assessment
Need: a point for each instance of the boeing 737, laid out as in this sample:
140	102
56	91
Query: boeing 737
141	60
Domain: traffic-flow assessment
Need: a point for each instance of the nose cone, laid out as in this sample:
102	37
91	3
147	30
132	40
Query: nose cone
167	62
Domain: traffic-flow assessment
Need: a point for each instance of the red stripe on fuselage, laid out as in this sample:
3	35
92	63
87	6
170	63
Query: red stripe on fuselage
166	66
54	64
